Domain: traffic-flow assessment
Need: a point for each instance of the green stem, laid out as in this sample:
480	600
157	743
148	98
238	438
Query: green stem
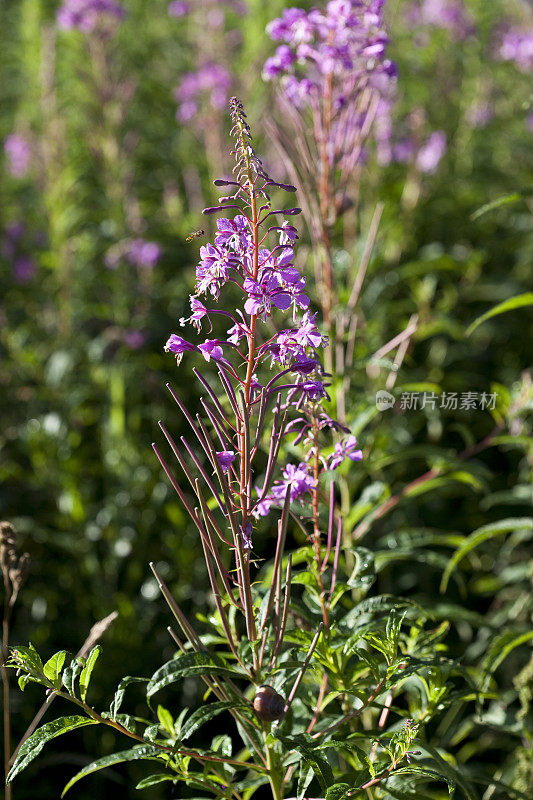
274	772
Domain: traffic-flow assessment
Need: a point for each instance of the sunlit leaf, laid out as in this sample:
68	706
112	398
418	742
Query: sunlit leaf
31	748
143	752
86	673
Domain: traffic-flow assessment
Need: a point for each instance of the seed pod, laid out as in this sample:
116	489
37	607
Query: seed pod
268	704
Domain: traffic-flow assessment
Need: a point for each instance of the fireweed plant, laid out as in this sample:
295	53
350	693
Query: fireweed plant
329	691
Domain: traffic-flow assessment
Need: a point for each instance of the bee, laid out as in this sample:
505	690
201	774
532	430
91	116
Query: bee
194	235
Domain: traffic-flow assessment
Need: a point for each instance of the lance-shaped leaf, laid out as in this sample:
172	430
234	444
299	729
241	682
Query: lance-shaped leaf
500	647
152	780
54	665
86	672
146	752
121	690
31	748
520	301
204	714
305	746
481	535
187	665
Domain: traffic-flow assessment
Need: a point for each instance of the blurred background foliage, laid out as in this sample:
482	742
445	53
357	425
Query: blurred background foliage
85	312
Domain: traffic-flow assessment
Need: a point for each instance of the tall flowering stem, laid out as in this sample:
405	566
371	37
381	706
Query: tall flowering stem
253	253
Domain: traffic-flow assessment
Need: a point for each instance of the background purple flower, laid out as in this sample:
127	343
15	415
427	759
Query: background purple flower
86	15
141	253
517	46
18	154
450	15
209	82
178	8
431	152
24	269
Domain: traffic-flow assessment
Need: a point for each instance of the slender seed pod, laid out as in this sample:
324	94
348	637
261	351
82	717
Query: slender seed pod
268	704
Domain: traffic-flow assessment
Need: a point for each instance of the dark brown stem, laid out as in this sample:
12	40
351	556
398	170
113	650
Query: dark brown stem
5	679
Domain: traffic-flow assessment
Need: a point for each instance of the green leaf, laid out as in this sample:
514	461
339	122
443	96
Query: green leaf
500	201
70	674
30	658
306	747
165	718
519	301
205	713
52	668
23	681
141	752
481	535
151	780
453	775
187	665
305	777
339	791
31	748
119	694
86	673
422	771
499	649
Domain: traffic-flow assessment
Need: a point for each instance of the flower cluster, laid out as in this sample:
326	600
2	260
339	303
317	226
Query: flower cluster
345	43
333	62
268	280
87	15
18	153
517	45
449	15
210	82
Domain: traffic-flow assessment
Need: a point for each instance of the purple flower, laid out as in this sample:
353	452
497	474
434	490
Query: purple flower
298	478
87	15
238	332
450	15
517	46
143	254
210	80
198	313
288	233
211	349
178	8
480	114
134	339
24	269
18	153
213	270
262	295
233	233
246	534
340	50
345	449
314	390
308	335
225	458
178	346
431	152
